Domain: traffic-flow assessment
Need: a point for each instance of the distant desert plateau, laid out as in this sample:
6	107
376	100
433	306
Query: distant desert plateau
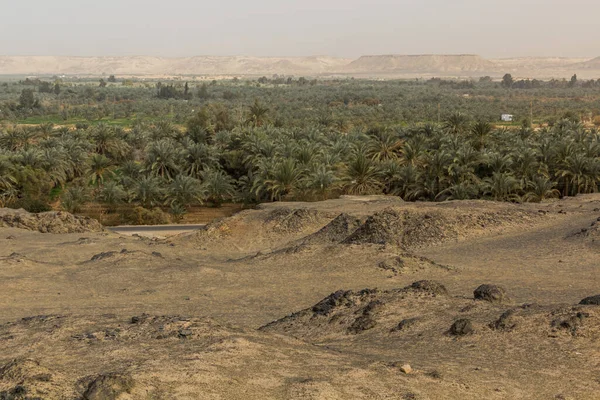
375	66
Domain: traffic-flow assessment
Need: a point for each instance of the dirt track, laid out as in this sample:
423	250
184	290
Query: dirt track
199	299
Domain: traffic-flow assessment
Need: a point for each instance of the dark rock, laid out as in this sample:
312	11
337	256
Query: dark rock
491	293
571	323
406	324
373	307
362	323
184	333
429	286
108	387
156	254
103	255
505	322
591	301
462	327
337	299
10	237
124	251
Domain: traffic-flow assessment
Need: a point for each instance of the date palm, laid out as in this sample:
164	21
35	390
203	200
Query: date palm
540	188
184	190
362	176
99	168
163	159
148	191
217	187
501	186
111	194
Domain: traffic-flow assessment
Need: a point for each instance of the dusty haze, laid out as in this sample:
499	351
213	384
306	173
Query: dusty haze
349	28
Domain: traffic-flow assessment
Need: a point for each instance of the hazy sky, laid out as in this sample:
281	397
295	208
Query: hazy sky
349	28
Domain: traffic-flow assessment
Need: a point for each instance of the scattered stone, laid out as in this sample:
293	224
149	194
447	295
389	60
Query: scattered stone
103	255
571	323
184	333
430	286
462	327
406	369
435	374
406	324
591	301
10	237
505	322
491	293
157	254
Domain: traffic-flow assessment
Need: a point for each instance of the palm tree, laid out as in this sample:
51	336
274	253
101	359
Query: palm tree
107	142
99	168
385	145
456	124
8	181
540	188
199	157
148	191
321	181
112	194
501	186
74	198
184	190
257	114
362	176
284	180
217	186
460	191
480	132
163	159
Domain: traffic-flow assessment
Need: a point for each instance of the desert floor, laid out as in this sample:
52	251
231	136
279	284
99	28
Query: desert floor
271	304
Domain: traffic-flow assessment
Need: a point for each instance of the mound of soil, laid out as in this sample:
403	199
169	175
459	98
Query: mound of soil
108	386
349	312
48	222
336	231
289	220
26	379
423	311
423	227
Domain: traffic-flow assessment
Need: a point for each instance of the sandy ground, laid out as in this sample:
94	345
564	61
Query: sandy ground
98	315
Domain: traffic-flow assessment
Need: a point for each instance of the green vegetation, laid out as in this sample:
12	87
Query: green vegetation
178	144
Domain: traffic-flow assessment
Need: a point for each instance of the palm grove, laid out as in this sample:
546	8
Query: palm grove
247	154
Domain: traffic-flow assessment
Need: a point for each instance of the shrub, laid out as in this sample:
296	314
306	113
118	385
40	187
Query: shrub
143	216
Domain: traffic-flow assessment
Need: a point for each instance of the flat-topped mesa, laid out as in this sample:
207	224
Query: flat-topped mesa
426	63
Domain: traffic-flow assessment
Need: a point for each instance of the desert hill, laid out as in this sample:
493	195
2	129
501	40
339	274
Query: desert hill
387	66
589	64
420	63
144	65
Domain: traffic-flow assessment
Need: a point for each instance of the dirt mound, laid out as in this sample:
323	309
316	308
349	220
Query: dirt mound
334	232
26	379
265	229
286	220
424	308
428	226
349	312
108	386
48	222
